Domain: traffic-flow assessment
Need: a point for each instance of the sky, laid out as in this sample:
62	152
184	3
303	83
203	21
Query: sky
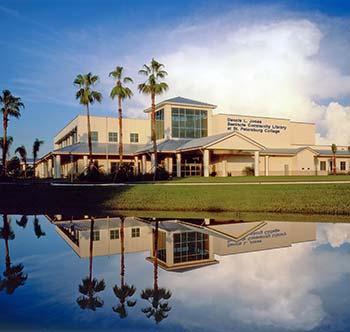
286	59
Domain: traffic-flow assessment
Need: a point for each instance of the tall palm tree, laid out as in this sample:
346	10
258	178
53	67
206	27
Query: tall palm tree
5	147
86	97
11	106
21	150
13	274
37	228
90	286
36	147
122	92
153	86
334	151
124	291
157	297
23	222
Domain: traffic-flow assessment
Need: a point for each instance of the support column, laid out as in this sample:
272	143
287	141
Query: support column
224	168
57	166
256	163
170	166
50	175
85	163
136	165
46	170
178	165
206	163
267	165
143	161
153	163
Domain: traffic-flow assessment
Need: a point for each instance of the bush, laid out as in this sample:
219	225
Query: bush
248	171
213	174
123	173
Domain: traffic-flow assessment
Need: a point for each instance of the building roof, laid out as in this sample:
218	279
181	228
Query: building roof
169	145
182	101
203	141
329	152
98	148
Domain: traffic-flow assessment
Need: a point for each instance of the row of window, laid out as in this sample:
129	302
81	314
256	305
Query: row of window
323	165
114	234
113	137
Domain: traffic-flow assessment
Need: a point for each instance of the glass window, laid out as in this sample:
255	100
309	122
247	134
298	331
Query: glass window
135	232
96	236
94	136
342	166
134	137
189	123
114	234
160	124
113	137
322	165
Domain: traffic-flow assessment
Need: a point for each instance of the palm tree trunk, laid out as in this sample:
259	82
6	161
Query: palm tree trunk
89	137
122	262
155	259
4	148
25	168
34	160
334	165
120	131
8	260
153	136
91	248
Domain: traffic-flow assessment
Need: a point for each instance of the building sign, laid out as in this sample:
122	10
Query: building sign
254	125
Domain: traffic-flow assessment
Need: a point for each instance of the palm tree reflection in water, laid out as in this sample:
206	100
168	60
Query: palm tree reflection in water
157	297
124	291
13	274
90	286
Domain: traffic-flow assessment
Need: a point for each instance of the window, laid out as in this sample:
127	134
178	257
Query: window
113	137
342	165
160	124
114	234
94	136
96	236
189	123
134	137
322	165
135	232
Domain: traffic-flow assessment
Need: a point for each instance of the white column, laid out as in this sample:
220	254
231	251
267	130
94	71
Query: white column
136	165
267	165
46	171
50	168
224	168
57	166
170	166
153	163
178	165
85	163
143	164
256	163
206	163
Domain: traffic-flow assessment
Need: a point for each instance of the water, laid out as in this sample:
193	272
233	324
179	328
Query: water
210	275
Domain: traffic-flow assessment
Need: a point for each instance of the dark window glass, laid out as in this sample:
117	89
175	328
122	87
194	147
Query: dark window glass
189	123
94	136
113	137
160	124
134	137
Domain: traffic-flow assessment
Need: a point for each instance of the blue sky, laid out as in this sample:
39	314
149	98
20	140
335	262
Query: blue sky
203	44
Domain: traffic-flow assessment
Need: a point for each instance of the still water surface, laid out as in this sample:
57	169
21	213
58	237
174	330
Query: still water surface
113	273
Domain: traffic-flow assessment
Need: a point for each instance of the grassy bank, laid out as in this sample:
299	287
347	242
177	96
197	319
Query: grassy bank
299	198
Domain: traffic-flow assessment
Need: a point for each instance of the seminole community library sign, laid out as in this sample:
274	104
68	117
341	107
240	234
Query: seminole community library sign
254	125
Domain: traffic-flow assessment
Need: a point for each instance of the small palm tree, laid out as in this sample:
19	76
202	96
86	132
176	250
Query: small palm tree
23	222
90	286
122	92
86	97
21	150
334	151
124	291
11	106
36	147
13	274
5	146
156	297
37	228
153	87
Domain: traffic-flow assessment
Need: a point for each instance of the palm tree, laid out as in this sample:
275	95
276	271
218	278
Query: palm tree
21	150
86	97
157	297
37	228
90	286
11	107
36	147
153	87
13	274
23	222
334	151
124	291
5	147
122	92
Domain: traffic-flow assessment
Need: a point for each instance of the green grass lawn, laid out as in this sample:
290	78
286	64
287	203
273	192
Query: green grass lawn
331	199
244	179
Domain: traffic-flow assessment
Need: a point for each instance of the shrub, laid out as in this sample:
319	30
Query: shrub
248	171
